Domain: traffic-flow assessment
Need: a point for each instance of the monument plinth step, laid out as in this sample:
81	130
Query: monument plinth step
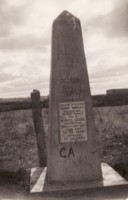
39	184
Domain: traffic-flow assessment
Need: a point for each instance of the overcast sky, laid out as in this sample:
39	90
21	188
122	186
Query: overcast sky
25	43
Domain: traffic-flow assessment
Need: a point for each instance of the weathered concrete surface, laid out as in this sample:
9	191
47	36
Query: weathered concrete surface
108	194
112	182
113	187
72	154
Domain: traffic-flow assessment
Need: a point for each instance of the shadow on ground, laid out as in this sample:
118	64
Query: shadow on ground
14	183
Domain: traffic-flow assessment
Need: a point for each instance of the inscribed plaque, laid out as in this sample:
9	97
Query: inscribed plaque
72	122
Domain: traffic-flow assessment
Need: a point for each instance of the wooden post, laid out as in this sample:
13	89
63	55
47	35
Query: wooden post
39	127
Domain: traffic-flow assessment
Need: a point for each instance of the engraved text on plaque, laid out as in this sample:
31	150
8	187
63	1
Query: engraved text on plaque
72	120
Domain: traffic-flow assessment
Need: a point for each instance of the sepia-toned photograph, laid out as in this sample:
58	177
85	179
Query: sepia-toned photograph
63	100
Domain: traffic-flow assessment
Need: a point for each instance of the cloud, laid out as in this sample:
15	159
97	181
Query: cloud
105	53
26	25
25	42
22	72
24	85
107	61
107	78
10	16
37	18
114	23
7	77
100	86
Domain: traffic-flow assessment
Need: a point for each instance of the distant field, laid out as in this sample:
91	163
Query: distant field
18	150
112	128
17	140
103	100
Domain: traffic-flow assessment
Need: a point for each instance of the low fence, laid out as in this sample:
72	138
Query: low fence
97	100
20	105
36	105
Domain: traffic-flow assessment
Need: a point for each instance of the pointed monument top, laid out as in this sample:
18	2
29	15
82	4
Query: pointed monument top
65	15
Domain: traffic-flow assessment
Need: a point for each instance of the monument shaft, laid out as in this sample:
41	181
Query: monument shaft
72	150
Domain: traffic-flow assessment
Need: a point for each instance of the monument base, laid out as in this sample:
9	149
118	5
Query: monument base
39	185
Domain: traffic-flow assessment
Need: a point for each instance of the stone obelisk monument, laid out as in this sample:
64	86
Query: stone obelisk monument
72	149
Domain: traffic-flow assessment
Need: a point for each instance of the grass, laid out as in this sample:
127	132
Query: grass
112	128
19	151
